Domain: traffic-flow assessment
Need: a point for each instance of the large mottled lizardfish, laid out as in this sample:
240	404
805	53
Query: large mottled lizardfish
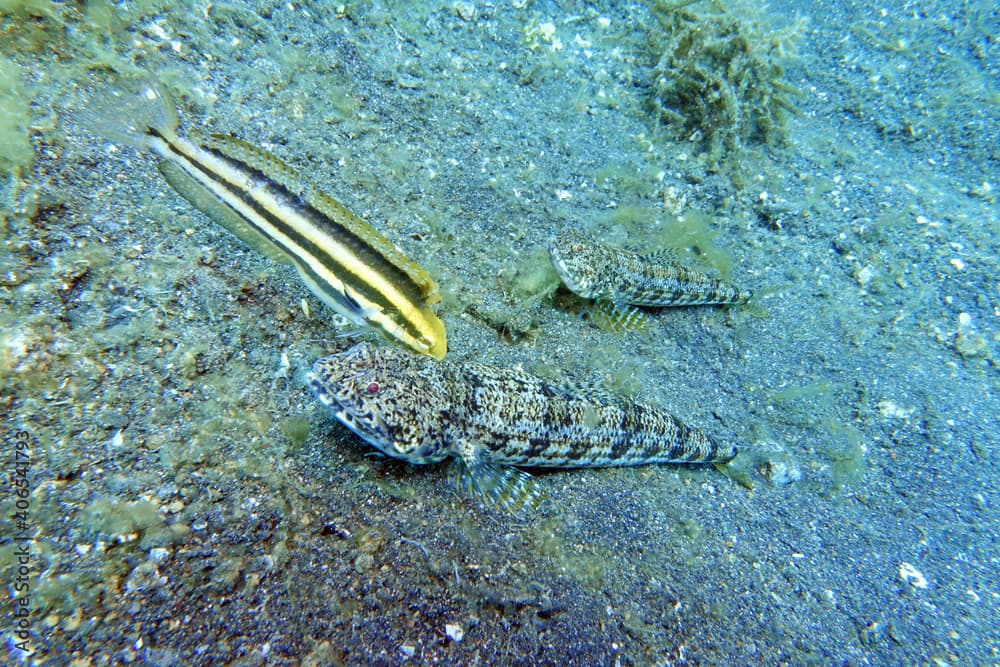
491	418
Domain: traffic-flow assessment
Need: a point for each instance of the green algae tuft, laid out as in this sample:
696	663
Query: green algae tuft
535	278
16	151
296	429
113	518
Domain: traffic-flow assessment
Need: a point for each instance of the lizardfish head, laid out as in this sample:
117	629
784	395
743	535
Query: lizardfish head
393	399
572	254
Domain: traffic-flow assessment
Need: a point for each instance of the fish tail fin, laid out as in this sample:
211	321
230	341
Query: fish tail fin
129	111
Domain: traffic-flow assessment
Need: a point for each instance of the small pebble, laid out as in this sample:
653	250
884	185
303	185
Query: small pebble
158	554
363	563
466	10
454	632
911	575
782	473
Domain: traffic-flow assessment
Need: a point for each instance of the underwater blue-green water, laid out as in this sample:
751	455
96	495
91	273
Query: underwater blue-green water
174	494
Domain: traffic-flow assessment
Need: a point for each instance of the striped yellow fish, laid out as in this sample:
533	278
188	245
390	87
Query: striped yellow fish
350	266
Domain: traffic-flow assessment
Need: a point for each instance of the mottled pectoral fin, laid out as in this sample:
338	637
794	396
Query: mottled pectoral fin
513	490
611	316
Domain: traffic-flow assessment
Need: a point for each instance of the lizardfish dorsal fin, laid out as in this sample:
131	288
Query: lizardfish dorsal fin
591	390
513	490
617	317
664	256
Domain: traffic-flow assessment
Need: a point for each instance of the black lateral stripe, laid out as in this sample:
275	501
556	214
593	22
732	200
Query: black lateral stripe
365	253
368	255
358	246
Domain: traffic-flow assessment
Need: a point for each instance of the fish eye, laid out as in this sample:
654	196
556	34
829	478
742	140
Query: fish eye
372	388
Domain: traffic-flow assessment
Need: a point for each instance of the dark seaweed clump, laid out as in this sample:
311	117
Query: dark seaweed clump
718	79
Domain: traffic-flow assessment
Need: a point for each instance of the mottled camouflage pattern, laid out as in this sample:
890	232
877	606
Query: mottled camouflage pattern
594	270
424	411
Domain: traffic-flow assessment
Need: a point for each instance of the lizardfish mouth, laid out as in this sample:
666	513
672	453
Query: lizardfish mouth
369	428
376	433
574	285
566	274
341	408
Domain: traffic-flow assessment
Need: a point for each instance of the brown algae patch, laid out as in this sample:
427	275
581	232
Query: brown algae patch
719	77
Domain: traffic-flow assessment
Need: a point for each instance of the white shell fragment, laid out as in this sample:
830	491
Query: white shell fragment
912	575
454	632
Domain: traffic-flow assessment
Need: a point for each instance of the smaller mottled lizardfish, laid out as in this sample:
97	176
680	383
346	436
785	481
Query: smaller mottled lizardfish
490	419
351	267
618	278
